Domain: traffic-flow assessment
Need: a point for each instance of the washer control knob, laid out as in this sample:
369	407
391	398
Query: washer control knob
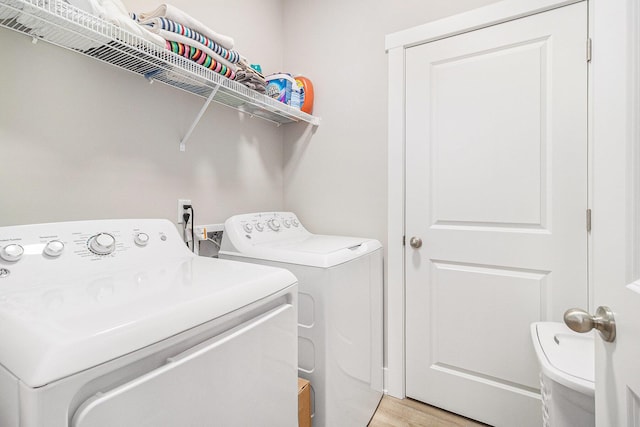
247	227
274	224
102	244
141	239
286	223
295	222
53	248
12	252
259	226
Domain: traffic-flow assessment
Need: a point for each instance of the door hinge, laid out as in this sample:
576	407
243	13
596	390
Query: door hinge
588	220
404	243
589	50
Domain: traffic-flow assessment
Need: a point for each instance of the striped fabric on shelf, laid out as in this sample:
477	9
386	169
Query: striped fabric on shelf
175	27
201	58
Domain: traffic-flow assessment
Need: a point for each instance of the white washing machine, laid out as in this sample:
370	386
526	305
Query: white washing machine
340	309
116	323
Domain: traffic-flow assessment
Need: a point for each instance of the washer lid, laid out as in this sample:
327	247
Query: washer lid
59	326
310	250
280	237
565	356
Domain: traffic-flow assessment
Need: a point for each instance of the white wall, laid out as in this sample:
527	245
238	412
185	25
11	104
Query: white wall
79	139
83	140
337	180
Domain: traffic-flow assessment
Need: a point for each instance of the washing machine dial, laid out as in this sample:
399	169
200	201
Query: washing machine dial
12	252
286	223
274	224
259	226
141	239
247	227
53	248
295	222
102	244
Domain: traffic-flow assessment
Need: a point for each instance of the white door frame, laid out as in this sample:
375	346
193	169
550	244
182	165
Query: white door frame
600	18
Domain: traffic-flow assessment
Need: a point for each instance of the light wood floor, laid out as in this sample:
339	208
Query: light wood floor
394	412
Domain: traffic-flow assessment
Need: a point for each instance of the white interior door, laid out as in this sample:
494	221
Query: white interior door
616	206
496	189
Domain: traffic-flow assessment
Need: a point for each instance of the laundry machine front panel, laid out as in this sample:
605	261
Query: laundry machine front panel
224	378
55	404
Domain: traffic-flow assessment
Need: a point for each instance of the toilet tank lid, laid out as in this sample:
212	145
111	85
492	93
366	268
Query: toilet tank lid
565	356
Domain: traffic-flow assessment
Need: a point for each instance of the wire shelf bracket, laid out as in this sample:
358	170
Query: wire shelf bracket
183	143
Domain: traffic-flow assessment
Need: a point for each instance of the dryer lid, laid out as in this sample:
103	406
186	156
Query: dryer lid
565	356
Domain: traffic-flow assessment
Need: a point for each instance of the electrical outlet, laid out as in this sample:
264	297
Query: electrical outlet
181	203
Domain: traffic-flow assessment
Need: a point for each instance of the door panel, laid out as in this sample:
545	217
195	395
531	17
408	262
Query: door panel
455	338
496	187
495	181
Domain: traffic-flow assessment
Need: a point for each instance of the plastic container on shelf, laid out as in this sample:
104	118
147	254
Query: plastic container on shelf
305	94
280	86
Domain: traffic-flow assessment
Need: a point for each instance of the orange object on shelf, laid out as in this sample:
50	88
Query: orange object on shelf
307	94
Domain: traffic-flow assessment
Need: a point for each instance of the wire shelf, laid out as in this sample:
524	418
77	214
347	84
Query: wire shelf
61	24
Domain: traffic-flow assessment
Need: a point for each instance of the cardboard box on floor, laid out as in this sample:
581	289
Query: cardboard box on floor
304	403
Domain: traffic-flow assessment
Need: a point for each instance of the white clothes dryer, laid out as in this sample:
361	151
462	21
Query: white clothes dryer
116	323
340	330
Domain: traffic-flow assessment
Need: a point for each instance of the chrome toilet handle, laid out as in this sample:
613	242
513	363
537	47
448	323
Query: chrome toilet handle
581	321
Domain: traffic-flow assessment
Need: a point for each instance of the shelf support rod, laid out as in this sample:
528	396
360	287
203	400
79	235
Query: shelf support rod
183	143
